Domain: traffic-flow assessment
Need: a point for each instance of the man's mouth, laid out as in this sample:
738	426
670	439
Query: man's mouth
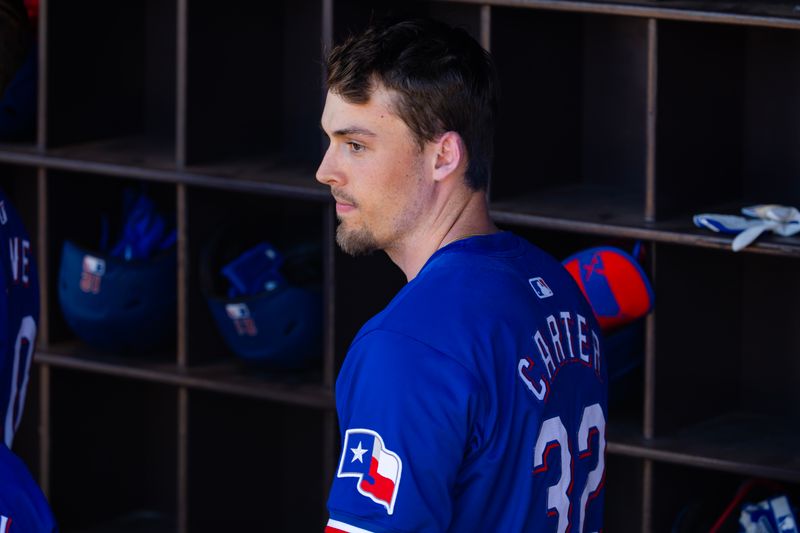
343	205
344	208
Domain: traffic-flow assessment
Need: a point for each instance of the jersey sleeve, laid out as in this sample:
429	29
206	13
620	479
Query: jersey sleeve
23	506
407	415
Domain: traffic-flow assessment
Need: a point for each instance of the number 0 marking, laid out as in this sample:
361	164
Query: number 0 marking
22	366
552	434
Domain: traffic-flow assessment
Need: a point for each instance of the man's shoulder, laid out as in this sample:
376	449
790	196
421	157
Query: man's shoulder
462	298
454	288
20	497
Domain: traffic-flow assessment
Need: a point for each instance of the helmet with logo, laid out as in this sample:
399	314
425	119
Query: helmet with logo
123	297
614	284
619	294
266	300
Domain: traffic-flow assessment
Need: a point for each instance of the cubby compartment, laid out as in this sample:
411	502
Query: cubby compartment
624	482
724	333
255	466
727	131
111	82
284	288
688	499
571	134
253	95
113	453
140	286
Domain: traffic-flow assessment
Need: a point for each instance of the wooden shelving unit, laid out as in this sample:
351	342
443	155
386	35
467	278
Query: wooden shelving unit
619	121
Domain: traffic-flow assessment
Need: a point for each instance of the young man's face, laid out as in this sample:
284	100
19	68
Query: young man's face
376	172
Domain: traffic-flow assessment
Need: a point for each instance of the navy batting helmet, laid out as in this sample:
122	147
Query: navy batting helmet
123	298
267	302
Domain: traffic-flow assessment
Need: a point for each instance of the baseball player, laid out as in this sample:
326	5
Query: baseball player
477	399
23	507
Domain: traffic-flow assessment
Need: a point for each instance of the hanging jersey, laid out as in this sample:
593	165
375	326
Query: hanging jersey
23	507
19	315
476	401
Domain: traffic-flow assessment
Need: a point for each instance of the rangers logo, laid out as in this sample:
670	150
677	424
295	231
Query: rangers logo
93	270
540	288
378	469
240	315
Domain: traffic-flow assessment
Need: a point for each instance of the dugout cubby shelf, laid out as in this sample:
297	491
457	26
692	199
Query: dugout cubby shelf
224	377
619	121
260	175
747	444
18	147
134	151
611	216
263	174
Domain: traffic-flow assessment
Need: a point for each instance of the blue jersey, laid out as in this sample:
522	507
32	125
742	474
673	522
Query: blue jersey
23	507
476	401
19	316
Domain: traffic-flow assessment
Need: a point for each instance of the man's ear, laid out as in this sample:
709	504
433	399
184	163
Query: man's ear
450	155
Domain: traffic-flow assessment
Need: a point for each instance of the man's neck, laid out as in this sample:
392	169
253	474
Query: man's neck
467	218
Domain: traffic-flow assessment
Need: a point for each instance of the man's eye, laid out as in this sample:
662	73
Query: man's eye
356	147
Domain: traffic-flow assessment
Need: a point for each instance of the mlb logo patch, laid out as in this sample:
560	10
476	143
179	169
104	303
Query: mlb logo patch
93	270
376	468
541	288
242	321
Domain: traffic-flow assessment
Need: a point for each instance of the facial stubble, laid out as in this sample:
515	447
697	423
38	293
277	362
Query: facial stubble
356	241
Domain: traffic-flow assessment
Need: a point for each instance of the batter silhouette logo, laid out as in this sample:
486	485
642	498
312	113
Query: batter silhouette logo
376	468
541	288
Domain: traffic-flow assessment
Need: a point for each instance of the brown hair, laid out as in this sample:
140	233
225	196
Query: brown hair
443	79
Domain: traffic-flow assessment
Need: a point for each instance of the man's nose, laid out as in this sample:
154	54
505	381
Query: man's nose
327	173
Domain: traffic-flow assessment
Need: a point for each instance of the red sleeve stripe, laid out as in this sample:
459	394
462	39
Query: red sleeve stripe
334	526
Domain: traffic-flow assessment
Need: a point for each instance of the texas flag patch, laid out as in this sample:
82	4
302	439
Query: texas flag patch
378	469
93	270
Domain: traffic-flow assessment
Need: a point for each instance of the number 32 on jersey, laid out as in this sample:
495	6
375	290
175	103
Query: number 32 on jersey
552	434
